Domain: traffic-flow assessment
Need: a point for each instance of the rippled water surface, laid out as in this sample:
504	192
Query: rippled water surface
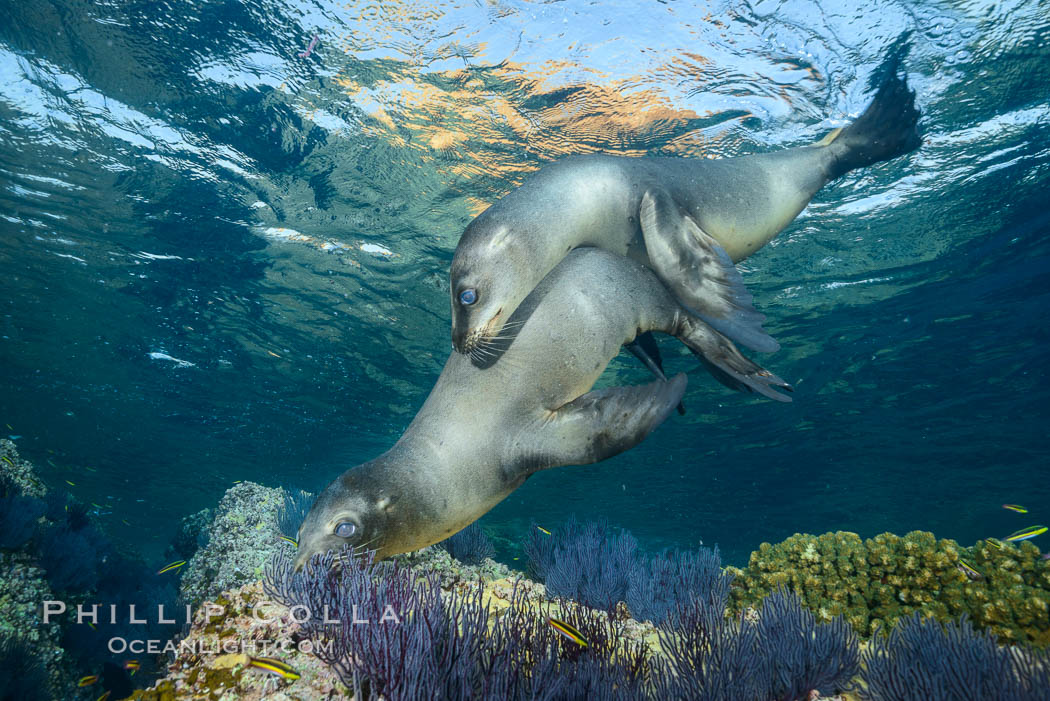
221	260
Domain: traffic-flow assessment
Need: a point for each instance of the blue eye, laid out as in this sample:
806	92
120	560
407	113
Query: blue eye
468	297
345	529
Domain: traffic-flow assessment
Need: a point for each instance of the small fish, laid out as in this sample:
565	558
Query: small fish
90	469
543	530
173	566
88	680
1015	507
14	437
1025	534
132	666
269	664
293	541
310	48
9	427
92	626
568	631
104	696
125	522
8	461
994	542
97	506
969	570
273	354
71	484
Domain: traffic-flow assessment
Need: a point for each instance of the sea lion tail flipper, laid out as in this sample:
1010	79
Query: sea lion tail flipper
726	364
646	350
888	128
601	423
699	272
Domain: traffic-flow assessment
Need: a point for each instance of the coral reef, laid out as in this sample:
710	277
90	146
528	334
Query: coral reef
470	546
921	660
242	538
875	582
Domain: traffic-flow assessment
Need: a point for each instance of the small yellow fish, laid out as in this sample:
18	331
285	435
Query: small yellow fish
568	631
9	427
132	666
97	506
969	570
125	522
104	697
88	680
1025	534
269	664
994	542
92	625
293	541
543	530
8	461
71	484
1015	507
173	566
273	354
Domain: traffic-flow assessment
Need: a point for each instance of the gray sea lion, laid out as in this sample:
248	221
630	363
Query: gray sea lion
689	220
483	430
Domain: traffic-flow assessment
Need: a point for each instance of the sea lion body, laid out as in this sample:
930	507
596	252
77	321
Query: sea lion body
635	207
487	426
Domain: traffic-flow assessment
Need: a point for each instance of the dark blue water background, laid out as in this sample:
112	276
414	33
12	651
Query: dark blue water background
221	261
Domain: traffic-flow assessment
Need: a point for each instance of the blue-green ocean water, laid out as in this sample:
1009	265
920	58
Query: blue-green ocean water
221	260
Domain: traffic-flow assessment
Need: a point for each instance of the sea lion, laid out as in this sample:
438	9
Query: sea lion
689	220
483	430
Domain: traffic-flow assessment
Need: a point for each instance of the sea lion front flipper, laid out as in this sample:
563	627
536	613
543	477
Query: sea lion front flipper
646	350
599	424
699	272
725	362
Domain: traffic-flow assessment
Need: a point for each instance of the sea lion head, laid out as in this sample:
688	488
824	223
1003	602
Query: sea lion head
351	513
490	276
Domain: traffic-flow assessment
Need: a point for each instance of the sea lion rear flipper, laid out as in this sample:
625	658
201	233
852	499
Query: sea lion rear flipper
646	350
699	272
600	424
726	364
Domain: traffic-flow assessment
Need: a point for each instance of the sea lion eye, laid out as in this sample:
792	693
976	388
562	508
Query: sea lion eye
345	529
468	296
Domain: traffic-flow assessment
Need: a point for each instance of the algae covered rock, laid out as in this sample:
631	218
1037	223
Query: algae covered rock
876	581
241	539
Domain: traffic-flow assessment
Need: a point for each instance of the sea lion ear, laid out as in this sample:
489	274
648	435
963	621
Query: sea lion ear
499	238
699	272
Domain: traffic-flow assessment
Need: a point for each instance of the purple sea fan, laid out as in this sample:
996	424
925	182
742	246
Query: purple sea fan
921	660
801	655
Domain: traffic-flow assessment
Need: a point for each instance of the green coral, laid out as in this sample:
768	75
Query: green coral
874	582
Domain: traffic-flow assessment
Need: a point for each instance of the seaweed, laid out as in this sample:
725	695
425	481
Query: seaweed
470	546
923	659
292	512
24	677
18	520
802	655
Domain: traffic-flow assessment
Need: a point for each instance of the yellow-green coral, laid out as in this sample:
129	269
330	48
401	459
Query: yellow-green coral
876	581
